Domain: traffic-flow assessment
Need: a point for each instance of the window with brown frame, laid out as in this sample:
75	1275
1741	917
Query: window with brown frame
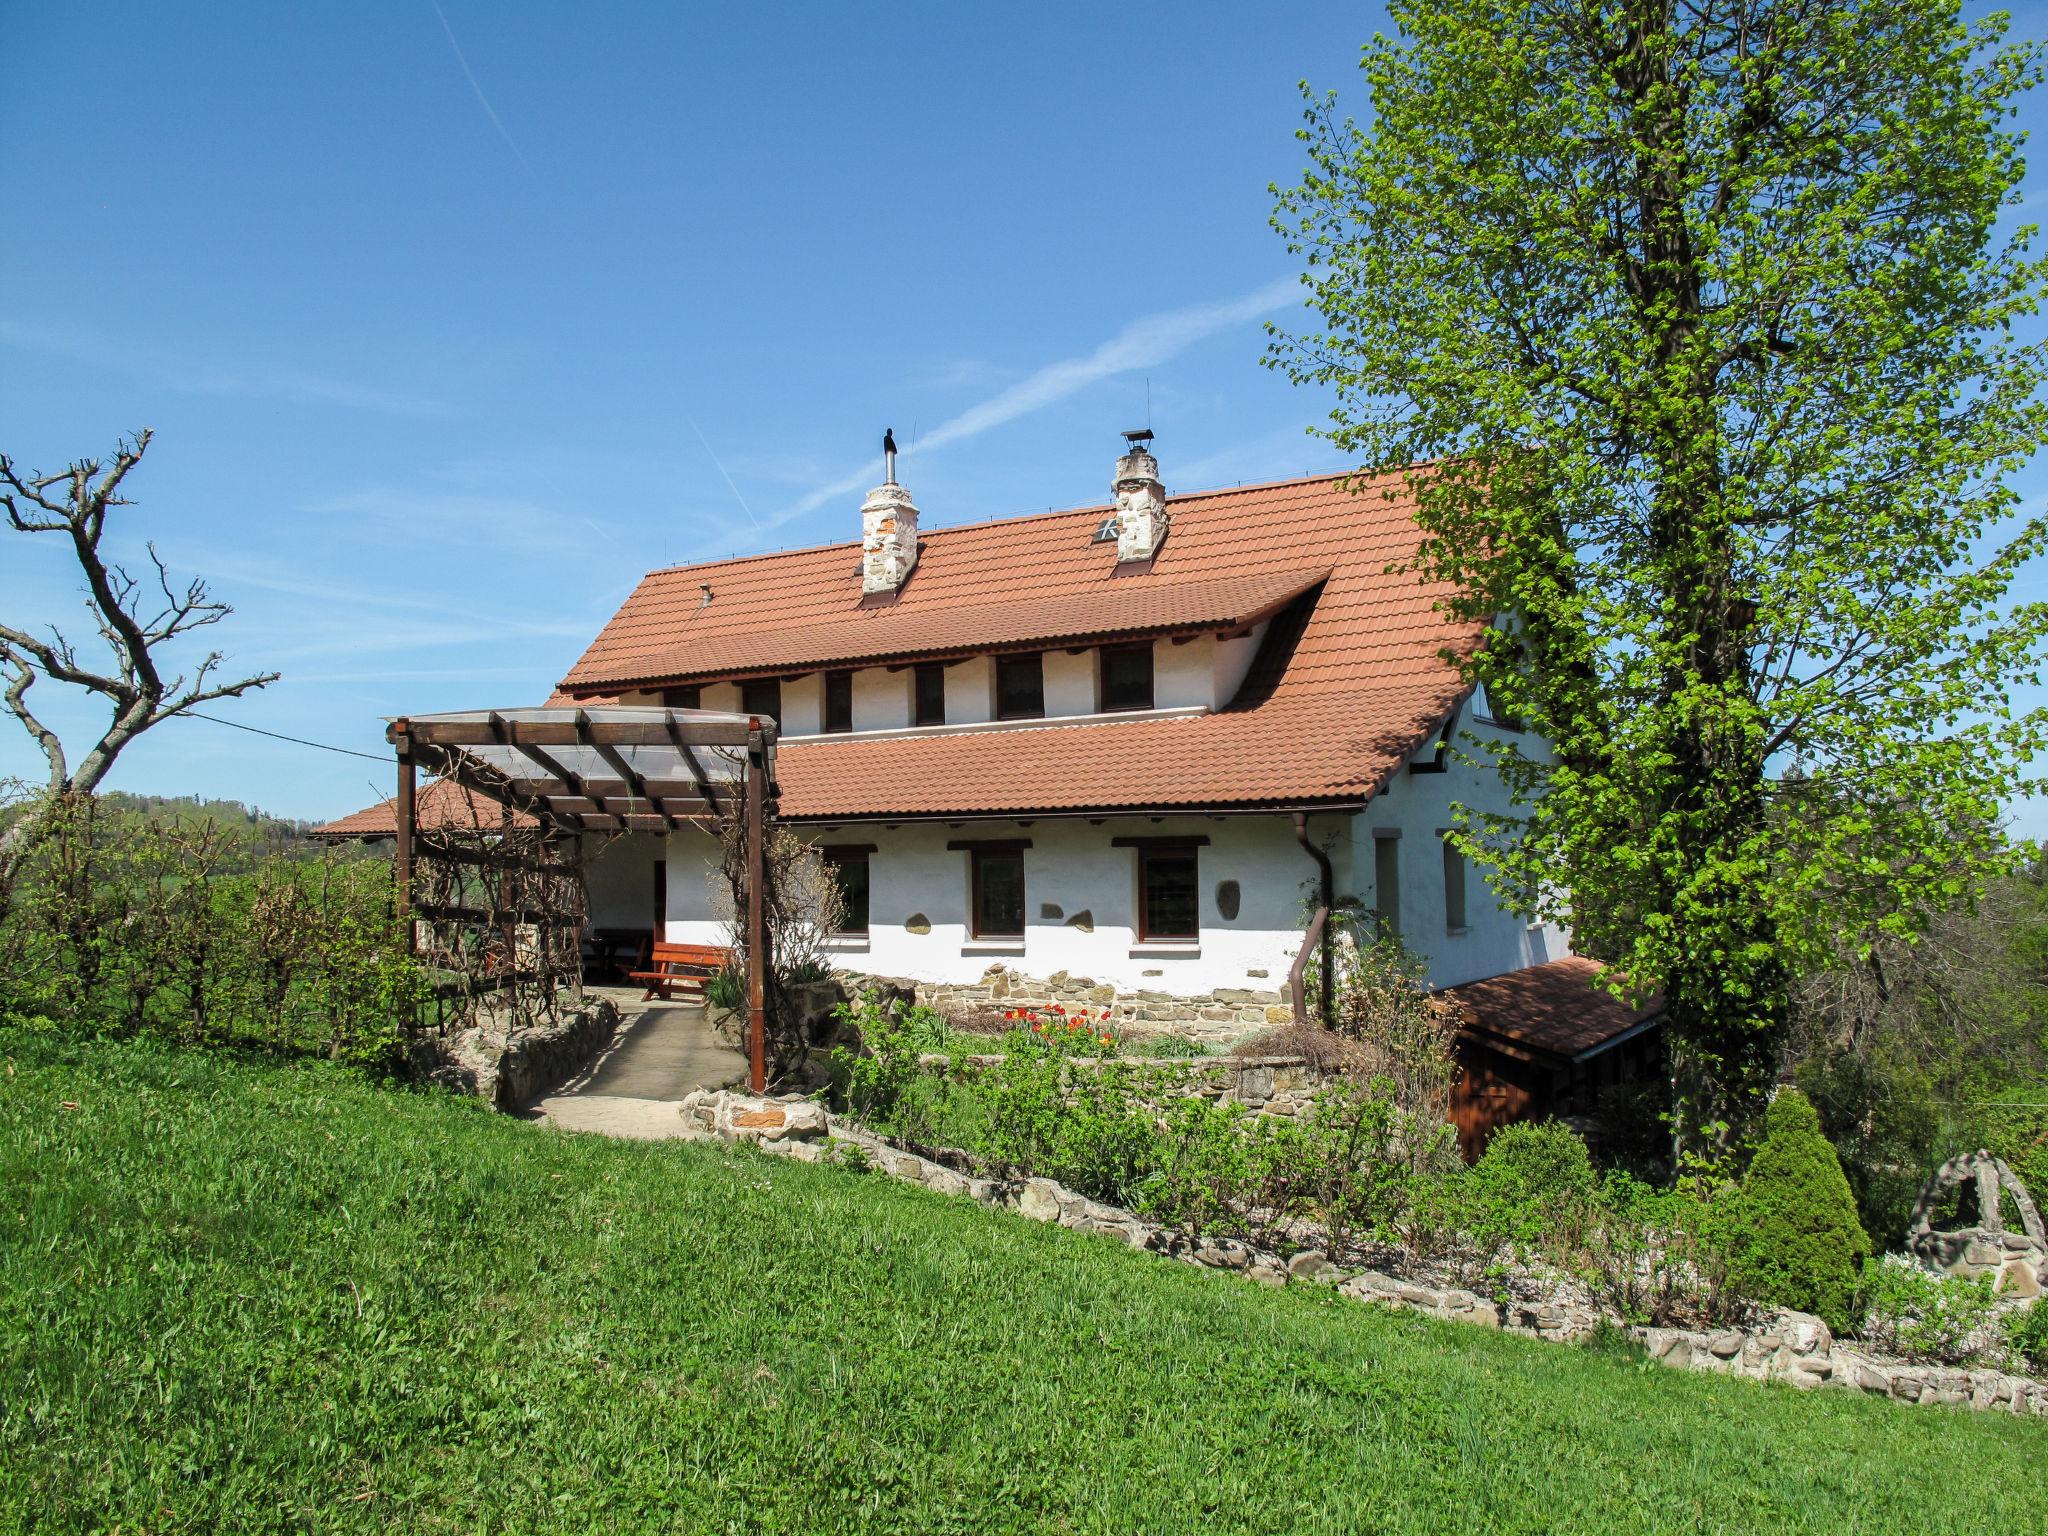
1169	904
1126	677
838	701
849	867
1020	686
762	696
997	876
928	697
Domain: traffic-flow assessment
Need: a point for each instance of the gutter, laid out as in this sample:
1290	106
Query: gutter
1318	935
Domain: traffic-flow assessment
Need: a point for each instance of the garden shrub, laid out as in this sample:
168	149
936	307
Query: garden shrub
1533	1185
2026	1336
1916	1315
1800	1242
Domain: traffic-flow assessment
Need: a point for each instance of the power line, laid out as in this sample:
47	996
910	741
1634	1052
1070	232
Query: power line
297	741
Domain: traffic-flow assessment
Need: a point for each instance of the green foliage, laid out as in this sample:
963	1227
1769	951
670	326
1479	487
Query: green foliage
1918	1316
1800	1244
243	1296
1699	320
1170	1048
2026	1336
126	921
1535	1181
727	990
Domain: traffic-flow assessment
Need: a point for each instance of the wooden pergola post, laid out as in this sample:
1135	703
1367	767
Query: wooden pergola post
757	914
408	822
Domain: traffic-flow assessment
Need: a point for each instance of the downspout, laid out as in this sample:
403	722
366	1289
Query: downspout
1318	935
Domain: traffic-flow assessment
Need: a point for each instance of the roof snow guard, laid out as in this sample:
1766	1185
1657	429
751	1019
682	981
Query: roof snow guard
613	768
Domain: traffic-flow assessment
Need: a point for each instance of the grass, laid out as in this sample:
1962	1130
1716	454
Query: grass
236	1296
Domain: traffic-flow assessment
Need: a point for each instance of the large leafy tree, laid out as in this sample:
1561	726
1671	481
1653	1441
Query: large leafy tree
1696	315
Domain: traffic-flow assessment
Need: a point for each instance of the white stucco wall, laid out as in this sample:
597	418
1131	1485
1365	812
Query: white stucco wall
1418	807
1069	683
1072	866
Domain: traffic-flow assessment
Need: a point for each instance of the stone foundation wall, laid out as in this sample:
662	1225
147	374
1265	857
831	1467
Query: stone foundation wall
1790	1347
1284	1086
1216	1017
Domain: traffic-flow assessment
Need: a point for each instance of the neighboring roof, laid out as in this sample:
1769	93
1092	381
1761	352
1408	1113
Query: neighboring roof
1558	1009
442	803
1351	678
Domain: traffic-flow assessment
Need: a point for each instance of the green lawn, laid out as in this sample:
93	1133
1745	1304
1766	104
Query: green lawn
236	1296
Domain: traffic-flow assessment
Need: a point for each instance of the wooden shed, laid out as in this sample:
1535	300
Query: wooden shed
1544	1041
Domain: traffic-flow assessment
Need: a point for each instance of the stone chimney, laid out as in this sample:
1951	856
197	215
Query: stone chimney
888	539
1140	501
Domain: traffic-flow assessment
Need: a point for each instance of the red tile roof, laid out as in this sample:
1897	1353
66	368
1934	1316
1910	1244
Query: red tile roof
1351	679
1558	1008
667	633
442	802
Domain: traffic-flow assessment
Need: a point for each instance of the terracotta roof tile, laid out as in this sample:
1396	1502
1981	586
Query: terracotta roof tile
663	636
442	802
1351	680
1556	1008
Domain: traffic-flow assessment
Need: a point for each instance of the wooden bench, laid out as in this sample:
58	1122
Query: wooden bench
688	966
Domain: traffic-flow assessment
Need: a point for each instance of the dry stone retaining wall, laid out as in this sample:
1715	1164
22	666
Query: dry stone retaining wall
510	1069
1791	1347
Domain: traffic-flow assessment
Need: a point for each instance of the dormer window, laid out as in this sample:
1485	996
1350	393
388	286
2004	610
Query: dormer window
1127	677
1020	686
928	695
838	701
762	696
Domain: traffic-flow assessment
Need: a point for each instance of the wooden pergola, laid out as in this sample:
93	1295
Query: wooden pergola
610	768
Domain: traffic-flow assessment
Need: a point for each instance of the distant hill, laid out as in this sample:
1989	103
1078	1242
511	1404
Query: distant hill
255	833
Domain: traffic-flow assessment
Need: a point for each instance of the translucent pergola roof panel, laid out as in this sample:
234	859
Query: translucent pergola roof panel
599	766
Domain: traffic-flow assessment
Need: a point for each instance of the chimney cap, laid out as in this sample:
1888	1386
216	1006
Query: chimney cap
1138	437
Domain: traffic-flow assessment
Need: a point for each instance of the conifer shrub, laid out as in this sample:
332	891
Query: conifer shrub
1799	1243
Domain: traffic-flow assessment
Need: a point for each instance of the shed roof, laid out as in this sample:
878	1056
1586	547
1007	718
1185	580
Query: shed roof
1558	1009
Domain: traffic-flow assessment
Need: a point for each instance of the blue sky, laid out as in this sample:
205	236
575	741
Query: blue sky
453	320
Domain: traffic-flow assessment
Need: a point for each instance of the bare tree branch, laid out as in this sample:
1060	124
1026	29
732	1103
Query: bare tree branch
75	503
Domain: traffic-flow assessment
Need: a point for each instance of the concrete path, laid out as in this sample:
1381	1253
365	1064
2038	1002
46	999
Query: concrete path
660	1053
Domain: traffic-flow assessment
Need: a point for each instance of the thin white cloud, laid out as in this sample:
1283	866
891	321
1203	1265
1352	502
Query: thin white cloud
481	99
200	376
1144	343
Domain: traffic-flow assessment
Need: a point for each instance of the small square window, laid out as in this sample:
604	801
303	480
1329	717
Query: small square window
689	697
929	695
1127	677
998	879
849	867
762	696
838	701
1168	902
1020	687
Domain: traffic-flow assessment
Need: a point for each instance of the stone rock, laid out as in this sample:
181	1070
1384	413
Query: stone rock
2018	1278
1800	1332
1313	1265
1725	1343
1039	1200
1084	922
917	922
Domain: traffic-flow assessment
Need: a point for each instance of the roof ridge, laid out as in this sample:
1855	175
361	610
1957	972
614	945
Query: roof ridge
1092	509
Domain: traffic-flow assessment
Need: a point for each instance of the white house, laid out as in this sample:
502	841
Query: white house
1109	742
